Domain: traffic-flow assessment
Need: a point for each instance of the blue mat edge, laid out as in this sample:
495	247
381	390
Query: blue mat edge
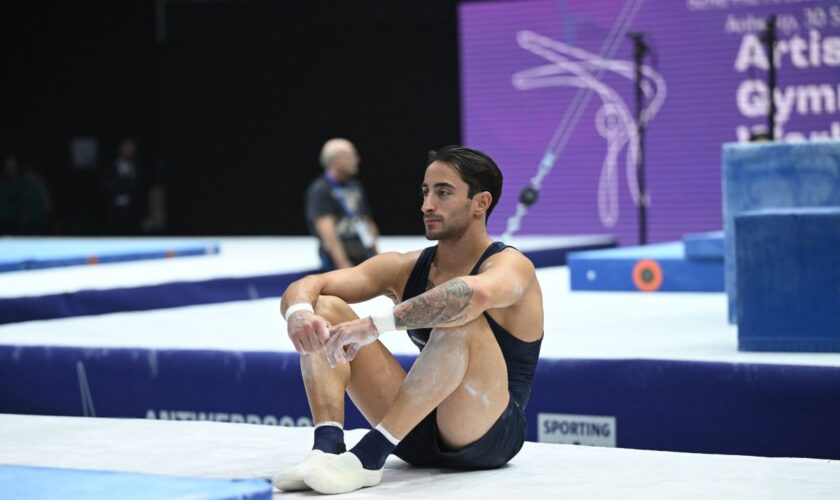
209	248
708	245
181	294
244	489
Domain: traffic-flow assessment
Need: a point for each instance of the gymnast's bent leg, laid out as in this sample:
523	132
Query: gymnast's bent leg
372	380
461	373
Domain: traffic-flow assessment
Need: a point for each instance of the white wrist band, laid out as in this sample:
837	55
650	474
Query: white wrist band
303	306
384	322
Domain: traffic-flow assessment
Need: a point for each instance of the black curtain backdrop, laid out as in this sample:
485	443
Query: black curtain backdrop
231	102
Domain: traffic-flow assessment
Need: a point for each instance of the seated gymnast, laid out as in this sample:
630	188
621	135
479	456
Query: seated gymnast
471	305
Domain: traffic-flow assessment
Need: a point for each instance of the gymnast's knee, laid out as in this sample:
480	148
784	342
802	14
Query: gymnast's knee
460	333
333	309
451	334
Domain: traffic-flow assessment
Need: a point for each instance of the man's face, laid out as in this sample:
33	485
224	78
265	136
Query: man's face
345	164
447	210
128	149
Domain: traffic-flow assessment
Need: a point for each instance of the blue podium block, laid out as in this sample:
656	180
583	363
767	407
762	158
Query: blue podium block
701	246
774	175
662	267
788	267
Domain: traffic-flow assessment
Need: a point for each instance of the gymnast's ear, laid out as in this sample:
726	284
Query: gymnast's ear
482	201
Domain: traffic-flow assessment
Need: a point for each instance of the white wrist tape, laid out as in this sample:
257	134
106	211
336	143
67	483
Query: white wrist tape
384	322
303	306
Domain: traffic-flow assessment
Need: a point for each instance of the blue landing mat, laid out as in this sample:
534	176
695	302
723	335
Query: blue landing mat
144	298
181	294
670	405
661	267
22	483
23	254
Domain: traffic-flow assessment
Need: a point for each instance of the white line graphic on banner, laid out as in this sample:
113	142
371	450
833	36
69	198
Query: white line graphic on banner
573	113
574	67
84	389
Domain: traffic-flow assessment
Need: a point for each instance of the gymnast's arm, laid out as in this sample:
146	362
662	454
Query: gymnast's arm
502	280
376	276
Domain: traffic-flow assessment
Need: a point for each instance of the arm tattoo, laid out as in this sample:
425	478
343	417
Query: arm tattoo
440	306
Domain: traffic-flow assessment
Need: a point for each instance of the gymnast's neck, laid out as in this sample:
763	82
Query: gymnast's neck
460	252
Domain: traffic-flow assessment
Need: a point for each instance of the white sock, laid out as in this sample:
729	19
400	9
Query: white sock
329	422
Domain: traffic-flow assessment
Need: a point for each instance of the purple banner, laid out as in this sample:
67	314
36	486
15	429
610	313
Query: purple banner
547	91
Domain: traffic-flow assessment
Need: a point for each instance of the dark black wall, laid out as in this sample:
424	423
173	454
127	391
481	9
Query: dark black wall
231	108
76	69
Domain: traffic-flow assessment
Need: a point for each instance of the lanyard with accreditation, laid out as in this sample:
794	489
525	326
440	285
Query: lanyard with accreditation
340	194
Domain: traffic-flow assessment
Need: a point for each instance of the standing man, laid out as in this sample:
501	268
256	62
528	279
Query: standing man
471	305
126	191
337	210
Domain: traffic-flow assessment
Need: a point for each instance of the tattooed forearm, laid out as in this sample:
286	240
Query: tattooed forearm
440	306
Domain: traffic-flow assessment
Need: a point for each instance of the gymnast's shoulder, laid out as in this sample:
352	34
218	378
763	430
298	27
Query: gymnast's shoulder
392	262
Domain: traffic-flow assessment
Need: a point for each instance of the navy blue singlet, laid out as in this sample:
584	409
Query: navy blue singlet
520	357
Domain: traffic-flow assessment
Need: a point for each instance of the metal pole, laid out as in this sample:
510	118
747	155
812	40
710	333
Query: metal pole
639	51
770	39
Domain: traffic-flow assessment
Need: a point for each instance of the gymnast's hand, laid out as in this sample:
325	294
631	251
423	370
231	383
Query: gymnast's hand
355	334
308	331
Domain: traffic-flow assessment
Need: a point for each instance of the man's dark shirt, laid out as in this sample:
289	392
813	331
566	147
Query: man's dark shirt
321	200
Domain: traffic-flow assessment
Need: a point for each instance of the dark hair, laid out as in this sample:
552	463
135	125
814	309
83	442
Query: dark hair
477	169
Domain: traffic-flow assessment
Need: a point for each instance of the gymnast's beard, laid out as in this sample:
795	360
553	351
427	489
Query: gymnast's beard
446	231
451	226
434	235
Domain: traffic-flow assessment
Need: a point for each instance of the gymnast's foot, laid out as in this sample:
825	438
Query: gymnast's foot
292	479
342	475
